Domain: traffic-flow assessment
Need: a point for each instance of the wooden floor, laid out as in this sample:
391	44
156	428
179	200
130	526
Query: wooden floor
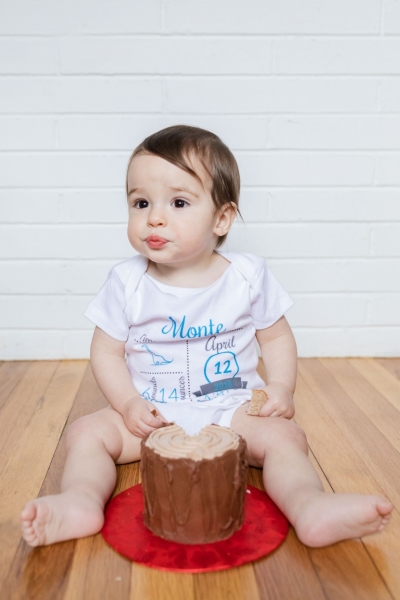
350	411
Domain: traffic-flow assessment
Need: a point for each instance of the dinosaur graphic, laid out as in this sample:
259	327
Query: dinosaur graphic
157	358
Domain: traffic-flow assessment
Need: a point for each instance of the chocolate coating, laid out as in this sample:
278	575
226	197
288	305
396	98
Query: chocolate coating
194	501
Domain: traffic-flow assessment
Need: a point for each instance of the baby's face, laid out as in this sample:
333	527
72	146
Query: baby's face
172	218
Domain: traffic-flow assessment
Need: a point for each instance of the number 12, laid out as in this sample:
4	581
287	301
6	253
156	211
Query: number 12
227	368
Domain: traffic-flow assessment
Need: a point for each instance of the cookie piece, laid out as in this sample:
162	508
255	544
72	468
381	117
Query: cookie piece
258	399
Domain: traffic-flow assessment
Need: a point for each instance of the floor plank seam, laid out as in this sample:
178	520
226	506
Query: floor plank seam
326	595
320	466
61	433
377	569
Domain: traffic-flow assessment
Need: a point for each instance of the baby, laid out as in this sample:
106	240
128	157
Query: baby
175	340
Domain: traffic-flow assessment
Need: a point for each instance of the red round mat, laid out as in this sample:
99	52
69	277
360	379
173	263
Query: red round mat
264	529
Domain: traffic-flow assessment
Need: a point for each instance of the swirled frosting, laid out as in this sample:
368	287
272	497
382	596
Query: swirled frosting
210	442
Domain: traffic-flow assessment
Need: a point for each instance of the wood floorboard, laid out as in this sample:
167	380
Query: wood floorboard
235	584
374	405
380	378
350	411
382	460
10	375
349	464
390	364
27	395
347	473
30	463
151	584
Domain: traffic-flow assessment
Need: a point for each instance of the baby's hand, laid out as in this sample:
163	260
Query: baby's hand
141	417
279	403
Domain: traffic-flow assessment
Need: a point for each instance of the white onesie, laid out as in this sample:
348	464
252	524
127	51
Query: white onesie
191	351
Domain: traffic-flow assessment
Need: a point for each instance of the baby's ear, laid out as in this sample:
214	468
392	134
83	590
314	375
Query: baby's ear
226	216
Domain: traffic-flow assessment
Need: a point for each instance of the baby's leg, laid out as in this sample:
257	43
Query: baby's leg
280	447
94	444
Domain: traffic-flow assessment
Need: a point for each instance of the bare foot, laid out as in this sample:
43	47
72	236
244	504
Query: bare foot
62	517
330	518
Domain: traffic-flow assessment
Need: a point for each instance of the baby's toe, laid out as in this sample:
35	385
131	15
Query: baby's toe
28	513
384	507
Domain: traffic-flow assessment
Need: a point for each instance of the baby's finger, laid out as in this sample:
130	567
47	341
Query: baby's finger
154	411
158	415
267	410
149	419
276	413
143	430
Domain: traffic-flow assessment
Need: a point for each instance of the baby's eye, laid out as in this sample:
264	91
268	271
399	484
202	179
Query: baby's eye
141	204
179	203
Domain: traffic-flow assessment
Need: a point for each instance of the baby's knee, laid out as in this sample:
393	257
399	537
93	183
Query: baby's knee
286	431
97	429
79	430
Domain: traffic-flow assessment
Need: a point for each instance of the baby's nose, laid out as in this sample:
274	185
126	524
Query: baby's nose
157	217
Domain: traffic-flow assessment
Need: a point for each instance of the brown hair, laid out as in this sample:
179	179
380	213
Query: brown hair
176	143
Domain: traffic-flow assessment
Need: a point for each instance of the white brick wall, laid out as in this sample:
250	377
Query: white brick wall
307	95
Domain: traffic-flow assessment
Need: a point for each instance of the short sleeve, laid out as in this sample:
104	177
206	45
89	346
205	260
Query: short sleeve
269	301
106	310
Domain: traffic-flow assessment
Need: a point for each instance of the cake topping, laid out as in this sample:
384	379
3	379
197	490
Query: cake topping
211	441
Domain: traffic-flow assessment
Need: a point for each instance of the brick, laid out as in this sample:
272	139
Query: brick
43	312
69	206
268	94
385	240
75	17
94	206
77	343
388	169
126	132
27	133
61	170
390	94
275	16
255	205
33	277
32	206
25	345
366	275
391	16
166	55
44	95
28	56
339	56
350	341
301	240
334	132
345	205
65	242
305	168
44	344
335	310
383	309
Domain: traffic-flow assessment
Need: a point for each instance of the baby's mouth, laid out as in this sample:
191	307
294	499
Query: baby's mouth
156	241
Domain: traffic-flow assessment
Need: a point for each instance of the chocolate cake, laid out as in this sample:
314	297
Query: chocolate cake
194	487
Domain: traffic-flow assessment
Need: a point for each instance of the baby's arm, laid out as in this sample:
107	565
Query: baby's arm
107	357
279	355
